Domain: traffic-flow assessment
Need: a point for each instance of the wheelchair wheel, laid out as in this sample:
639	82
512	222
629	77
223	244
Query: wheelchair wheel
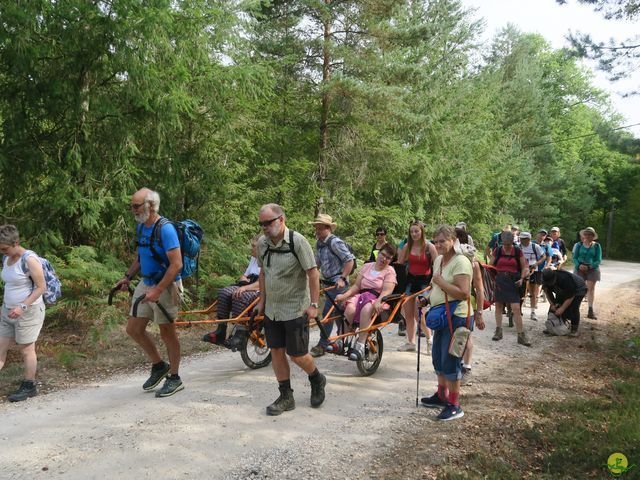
255	353
371	361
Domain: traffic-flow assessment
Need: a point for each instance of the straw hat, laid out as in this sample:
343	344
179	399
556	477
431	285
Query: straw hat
324	219
591	231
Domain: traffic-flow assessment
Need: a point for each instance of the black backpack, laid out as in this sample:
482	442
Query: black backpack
349	247
270	250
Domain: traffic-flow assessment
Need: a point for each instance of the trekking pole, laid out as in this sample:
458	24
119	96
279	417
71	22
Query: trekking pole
134	311
115	290
418	359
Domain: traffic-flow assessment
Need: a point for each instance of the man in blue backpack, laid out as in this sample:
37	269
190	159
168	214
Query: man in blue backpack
161	286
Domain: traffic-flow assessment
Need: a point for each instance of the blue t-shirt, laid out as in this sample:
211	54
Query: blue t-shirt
547	251
151	270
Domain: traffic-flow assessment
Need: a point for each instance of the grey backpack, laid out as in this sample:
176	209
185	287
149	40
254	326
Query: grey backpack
556	326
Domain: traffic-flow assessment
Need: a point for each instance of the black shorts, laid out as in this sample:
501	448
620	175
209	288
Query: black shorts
536	278
292	334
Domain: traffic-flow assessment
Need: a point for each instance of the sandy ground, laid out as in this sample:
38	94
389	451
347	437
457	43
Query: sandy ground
217	426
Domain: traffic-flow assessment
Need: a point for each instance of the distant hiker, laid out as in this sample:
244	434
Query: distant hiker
23	308
587	256
419	254
565	292
233	300
450	289
559	244
161	286
462	227
512	271
536	259
381	239
335	262
289	291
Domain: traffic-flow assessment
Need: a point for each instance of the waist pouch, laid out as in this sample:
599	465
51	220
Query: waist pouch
437	316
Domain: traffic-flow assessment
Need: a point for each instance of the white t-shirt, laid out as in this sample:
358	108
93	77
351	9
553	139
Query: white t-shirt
253	268
530	254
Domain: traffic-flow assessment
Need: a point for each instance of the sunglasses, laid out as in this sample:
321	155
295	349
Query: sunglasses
135	206
266	223
379	234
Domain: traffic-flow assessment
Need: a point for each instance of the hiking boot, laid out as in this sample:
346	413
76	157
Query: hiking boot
574	331
451	412
157	374
402	329
26	390
591	314
357	352
317	390
237	341
534	317
283	403
523	339
498	334
433	401
407	347
171	386
317	351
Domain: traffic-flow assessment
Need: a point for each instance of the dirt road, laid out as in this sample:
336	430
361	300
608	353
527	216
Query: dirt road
217	427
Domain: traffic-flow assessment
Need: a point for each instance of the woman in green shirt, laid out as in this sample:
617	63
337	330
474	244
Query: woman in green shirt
587	256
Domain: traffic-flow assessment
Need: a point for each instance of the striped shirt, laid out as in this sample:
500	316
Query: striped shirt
285	277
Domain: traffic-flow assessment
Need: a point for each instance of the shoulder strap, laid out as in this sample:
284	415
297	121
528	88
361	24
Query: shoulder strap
23	261
155	234
292	246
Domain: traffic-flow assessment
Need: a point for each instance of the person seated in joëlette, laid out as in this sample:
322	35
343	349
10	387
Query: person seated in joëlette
364	298
233	300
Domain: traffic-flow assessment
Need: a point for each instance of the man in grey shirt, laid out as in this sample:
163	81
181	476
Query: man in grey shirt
290	287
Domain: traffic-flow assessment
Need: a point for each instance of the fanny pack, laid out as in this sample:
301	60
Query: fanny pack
437	317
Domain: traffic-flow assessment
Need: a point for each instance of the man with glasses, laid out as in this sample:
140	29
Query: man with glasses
335	262
289	291
162	290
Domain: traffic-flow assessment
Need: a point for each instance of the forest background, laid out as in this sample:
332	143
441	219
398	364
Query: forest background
373	111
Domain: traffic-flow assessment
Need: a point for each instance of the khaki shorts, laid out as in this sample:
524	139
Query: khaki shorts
170	299
24	329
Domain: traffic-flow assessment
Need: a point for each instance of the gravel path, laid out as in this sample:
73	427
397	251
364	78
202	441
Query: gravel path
217	426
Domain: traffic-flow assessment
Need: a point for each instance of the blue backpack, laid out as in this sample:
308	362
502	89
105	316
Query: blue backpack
190	237
53	286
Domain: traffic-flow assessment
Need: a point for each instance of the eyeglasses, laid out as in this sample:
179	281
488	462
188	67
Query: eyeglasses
266	223
385	257
135	206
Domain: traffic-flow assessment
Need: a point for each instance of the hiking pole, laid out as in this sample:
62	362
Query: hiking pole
134	311
418	359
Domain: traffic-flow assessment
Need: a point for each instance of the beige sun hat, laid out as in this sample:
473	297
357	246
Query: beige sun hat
324	219
590	230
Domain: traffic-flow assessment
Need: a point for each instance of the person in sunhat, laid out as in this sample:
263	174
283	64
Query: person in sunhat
587	256
335	262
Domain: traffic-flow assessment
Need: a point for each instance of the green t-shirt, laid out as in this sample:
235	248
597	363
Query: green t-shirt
458	265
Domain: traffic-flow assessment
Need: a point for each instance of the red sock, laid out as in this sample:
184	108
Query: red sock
453	398
442	393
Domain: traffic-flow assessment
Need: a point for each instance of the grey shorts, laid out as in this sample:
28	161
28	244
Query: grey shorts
591	275
24	329
170	299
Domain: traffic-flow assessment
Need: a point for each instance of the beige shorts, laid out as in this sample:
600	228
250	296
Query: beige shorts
24	329
170	299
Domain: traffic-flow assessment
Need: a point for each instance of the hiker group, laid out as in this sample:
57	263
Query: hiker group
284	277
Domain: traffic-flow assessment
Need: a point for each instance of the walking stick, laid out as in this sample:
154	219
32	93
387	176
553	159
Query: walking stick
418	359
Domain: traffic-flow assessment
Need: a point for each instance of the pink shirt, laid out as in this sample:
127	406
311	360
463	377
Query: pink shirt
373	279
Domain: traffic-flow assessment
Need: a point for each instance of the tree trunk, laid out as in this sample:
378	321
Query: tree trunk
324	113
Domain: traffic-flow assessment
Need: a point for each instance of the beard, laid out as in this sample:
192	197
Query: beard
144	216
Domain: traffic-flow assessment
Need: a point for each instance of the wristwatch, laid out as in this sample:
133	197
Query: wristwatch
314	305
23	307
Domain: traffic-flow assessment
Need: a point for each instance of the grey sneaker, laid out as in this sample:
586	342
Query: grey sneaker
534	316
498	334
26	390
284	403
156	377
317	390
171	386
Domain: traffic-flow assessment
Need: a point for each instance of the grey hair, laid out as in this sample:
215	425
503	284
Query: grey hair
507	236
274	207
153	199
447	230
9	235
